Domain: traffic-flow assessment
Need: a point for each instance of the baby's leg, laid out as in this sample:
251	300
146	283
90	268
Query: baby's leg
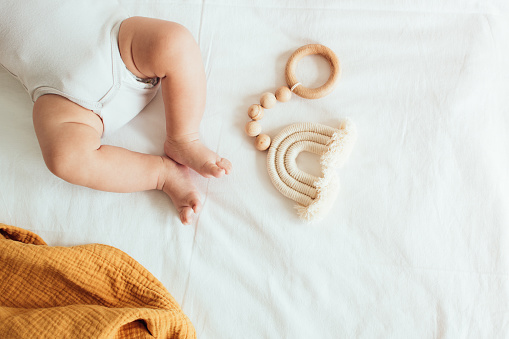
150	48
70	140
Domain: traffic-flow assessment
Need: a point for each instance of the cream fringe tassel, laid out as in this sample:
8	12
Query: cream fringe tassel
314	196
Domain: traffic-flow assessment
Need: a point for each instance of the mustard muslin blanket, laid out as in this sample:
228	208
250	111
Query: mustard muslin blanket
89	291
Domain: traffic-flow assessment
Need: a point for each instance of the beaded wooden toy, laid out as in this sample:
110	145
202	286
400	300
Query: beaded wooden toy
314	195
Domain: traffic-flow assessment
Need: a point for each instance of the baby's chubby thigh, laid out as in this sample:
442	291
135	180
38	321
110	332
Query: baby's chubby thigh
149	47
66	133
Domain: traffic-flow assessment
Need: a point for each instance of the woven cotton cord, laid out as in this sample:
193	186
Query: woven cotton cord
294	86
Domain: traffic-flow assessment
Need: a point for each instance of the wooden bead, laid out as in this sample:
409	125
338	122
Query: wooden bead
283	94
253	128
255	112
262	142
268	100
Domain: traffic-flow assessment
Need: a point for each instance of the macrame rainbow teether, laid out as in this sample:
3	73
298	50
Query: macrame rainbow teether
314	195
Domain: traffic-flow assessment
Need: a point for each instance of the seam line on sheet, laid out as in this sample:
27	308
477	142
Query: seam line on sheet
501	12
194	244
200	26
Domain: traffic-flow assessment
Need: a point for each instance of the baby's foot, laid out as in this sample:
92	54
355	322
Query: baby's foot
176	183
191	152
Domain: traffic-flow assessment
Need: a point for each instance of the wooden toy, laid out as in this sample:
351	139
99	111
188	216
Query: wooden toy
268	100
314	195
262	142
253	128
255	112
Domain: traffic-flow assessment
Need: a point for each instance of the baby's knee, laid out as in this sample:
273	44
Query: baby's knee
172	36
67	134
155	47
174	42
66	164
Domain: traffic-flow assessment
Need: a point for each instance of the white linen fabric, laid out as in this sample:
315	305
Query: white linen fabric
417	242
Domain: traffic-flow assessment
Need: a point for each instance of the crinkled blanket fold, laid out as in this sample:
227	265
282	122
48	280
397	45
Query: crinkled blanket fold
89	291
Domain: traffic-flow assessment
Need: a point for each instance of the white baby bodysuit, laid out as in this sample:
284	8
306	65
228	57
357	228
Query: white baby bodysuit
70	48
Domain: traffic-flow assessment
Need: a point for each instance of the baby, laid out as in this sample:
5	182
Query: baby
90	68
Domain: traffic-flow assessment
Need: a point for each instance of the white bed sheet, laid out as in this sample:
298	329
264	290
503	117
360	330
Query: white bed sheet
416	245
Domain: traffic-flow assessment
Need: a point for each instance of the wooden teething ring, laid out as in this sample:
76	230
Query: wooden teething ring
312	93
283	94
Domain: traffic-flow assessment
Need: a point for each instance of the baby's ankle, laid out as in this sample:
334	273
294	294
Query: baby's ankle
179	139
161	180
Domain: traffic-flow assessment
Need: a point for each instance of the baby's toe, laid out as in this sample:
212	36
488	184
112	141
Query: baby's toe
195	204
225	164
213	170
191	205
186	215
